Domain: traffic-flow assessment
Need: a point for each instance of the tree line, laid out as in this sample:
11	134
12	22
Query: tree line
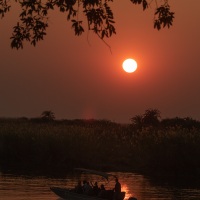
150	118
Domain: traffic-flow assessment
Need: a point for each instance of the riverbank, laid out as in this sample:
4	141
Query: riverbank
34	146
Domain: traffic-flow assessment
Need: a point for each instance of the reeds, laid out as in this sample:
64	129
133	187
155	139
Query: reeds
59	145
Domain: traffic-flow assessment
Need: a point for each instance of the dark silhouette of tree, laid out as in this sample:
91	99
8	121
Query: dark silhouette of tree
137	121
178	122
48	115
151	117
99	17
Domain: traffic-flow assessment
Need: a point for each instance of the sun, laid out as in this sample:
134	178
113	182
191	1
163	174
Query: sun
129	65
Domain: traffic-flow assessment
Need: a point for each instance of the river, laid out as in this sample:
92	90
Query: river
16	187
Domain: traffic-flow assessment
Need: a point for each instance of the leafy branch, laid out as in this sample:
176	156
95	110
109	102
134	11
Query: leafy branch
33	18
163	16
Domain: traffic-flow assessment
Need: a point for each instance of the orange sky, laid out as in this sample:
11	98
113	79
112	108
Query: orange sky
78	77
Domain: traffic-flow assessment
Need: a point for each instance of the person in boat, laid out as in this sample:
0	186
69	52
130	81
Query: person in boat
96	188
117	189
87	189
102	187
79	188
102	192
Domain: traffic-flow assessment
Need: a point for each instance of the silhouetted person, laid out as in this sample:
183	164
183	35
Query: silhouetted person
102	187
87	187
117	189
96	189
79	188
102	192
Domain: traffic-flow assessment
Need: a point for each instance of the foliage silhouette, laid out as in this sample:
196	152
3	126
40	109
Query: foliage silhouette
151	117
137	121
99	17
177	122
48	115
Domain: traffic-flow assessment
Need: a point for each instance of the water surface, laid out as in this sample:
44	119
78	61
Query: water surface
15	187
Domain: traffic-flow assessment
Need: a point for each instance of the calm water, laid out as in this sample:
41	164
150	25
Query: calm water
37	188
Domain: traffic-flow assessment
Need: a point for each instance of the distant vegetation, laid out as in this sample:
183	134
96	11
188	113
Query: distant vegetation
148	145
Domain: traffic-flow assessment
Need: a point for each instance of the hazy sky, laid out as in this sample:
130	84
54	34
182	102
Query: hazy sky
78	77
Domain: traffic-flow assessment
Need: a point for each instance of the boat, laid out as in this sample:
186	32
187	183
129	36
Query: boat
72	194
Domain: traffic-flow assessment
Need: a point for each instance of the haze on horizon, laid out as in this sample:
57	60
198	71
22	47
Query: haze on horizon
78	77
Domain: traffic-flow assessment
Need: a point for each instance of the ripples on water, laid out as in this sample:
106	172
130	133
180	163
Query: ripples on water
37	188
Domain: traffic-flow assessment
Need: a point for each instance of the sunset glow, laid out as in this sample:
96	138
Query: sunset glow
80	77
129	65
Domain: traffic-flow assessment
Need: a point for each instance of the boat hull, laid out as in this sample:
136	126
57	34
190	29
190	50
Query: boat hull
71	195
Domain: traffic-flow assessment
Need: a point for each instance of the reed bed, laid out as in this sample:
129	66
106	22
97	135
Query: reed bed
58	146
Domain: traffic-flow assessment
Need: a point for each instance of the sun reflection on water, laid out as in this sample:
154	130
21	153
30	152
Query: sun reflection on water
126	189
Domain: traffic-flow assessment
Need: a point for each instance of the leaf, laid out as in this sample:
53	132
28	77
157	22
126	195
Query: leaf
145	4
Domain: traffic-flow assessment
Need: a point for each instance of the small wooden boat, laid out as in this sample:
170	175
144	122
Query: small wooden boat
71	194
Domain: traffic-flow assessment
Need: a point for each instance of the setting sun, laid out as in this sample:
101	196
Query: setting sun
129	65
